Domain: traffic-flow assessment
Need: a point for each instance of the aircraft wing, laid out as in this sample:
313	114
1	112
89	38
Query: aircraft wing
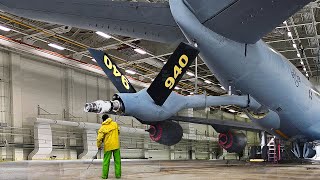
219	124
150	21
245	21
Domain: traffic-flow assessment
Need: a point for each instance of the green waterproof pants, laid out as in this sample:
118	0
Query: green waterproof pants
106	163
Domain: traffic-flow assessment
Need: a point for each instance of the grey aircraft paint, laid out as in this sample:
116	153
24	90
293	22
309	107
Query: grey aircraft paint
259	71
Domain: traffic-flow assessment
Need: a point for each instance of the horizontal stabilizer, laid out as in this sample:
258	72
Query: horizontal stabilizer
172	73
112	71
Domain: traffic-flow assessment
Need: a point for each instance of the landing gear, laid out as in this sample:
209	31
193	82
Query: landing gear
303	150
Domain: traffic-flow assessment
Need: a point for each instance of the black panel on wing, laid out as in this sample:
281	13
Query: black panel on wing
112	71
172	72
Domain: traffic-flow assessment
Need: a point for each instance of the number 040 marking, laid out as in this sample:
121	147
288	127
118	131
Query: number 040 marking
116	72
183	61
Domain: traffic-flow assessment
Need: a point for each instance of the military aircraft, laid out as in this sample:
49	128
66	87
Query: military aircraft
273	92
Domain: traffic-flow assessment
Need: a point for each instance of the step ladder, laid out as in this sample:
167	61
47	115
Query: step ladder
272	150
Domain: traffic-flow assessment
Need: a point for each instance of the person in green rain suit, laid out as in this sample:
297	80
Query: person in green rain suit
109	135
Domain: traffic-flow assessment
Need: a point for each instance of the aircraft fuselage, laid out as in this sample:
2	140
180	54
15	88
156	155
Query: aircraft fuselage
258	70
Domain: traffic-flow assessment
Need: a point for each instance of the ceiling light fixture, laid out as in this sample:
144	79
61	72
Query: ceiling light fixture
302	63
304	69
140	51
130	71
208	82
231	110
298	55
294	45
56	46
93	60
289	34
177	88
4	28
190	74
103	35
307	75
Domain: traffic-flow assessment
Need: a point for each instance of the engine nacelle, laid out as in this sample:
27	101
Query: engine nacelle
233	142
166	132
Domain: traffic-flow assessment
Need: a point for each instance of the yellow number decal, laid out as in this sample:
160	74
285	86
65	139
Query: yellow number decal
107	62
116	72
183	61
170	82
177	71
125	82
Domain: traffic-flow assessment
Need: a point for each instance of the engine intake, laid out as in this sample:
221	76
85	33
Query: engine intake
233	142
166	132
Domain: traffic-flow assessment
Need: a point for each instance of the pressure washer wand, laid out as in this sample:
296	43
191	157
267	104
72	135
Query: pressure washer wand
93	158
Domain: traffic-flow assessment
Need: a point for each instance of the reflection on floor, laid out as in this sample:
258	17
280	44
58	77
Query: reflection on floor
158	170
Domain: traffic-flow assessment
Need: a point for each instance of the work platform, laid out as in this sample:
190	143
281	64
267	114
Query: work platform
157	170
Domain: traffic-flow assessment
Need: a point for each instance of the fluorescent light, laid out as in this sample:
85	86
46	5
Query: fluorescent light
4	28
294	45
223	88
302	63
140	51
290	34
299	55
93	60
231	110
56	46
130	71
190	73
284	22
191	93
103	35
304	68
207	81
307	75
177	88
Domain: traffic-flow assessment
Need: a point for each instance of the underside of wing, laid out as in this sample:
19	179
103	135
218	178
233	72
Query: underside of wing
245	21
222	124
150	21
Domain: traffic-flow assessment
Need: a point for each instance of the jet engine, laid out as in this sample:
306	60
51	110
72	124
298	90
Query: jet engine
233	142
166	132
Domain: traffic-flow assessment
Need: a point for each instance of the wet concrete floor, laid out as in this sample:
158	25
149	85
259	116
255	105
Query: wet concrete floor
158	170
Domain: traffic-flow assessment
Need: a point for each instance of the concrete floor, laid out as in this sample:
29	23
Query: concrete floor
158	170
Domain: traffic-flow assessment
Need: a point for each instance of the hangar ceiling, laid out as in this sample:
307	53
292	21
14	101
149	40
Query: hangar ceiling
297	39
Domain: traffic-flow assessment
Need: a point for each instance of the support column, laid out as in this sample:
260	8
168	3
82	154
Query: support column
68	95
172	153
89	144
146	147
17	119
193	152
42	142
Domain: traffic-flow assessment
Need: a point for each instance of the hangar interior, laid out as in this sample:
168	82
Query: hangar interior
47	75
37	87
